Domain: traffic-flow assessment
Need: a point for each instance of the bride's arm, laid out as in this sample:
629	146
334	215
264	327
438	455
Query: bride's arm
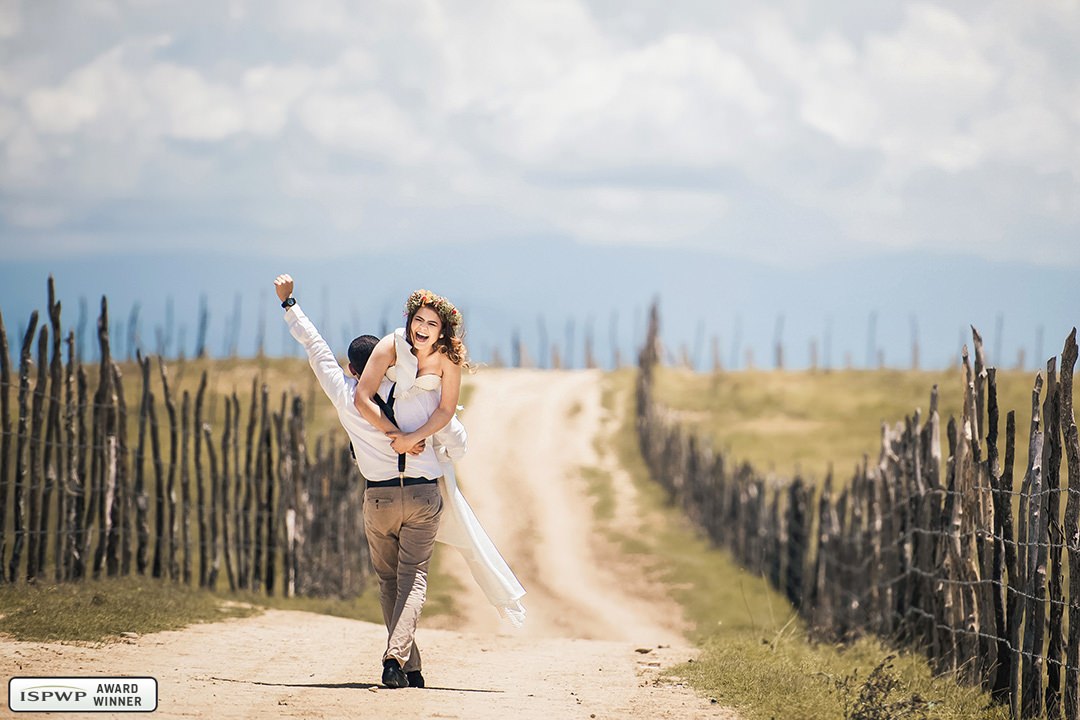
382	357
451	390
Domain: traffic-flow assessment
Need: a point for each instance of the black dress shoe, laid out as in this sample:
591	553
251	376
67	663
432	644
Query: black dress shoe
415	678
392	676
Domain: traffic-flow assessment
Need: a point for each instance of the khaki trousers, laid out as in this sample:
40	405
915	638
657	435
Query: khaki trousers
401	523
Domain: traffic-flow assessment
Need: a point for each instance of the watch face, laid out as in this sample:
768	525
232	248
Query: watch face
289	302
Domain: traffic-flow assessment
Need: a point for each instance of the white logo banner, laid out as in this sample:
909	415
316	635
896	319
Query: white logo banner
82	694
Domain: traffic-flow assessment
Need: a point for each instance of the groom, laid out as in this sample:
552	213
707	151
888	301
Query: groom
402	504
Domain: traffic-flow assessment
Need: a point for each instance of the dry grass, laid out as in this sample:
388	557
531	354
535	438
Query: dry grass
757	655
791	423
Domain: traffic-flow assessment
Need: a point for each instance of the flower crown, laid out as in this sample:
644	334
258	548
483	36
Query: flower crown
444	307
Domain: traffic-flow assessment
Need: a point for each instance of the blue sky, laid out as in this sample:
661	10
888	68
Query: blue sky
778	146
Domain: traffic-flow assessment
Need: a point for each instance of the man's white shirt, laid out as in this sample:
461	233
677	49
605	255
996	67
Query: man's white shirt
374	456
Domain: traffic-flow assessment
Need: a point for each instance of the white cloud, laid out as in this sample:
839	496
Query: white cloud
623	124
193	108
367	123
681	102
10	18
619	215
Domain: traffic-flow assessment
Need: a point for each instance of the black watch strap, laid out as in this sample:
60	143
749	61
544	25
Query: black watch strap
288	302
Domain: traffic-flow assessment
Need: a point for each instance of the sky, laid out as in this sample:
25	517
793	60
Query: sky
857	174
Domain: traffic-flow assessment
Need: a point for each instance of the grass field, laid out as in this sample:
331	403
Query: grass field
90	611
789	423
756	654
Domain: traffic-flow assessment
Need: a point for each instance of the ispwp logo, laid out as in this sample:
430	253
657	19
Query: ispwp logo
71	694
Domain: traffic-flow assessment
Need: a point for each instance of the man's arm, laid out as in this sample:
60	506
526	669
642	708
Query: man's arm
321	358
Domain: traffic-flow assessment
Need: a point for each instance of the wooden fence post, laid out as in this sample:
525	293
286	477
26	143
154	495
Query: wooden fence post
83	479
5	442
119	547
246	544
157	568
70	485
105	483
200	484
262	456
226	512
214	549
1035	590
172	567
142	522
1051	461
185	487
798	533
1072	528
35	481
52	458
297	444
21	451
1001	536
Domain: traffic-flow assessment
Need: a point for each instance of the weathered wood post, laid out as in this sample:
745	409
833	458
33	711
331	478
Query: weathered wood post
952	608
1072	528
1035	612
277	515
798	540
1002	510
1015	560
823	589
157	568
262	456
200	484
119	547
226	513
1051	461
83	483
246	544
142	522
52	459
69	481
214	547
238	483
34	483
185	486
171	565
108	448
22	459
300	500
5	441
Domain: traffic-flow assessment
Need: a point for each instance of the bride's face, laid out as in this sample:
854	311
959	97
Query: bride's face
425	328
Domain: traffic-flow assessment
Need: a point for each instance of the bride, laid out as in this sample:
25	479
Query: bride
425	358
427	355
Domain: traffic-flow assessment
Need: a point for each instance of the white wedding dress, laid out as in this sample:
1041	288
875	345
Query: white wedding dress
459	527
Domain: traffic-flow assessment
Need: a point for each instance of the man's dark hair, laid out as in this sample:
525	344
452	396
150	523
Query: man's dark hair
360	351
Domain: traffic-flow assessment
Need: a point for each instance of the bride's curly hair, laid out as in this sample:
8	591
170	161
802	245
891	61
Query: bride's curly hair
450	337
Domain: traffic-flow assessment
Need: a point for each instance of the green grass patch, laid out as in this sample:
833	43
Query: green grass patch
599	486
756	653
442	587
101	610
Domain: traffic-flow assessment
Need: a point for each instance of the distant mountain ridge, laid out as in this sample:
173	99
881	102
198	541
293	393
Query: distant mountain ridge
507	288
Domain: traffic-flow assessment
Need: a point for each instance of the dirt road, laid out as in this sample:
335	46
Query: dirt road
577	657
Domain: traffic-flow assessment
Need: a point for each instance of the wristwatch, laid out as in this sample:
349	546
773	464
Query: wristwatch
288	302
